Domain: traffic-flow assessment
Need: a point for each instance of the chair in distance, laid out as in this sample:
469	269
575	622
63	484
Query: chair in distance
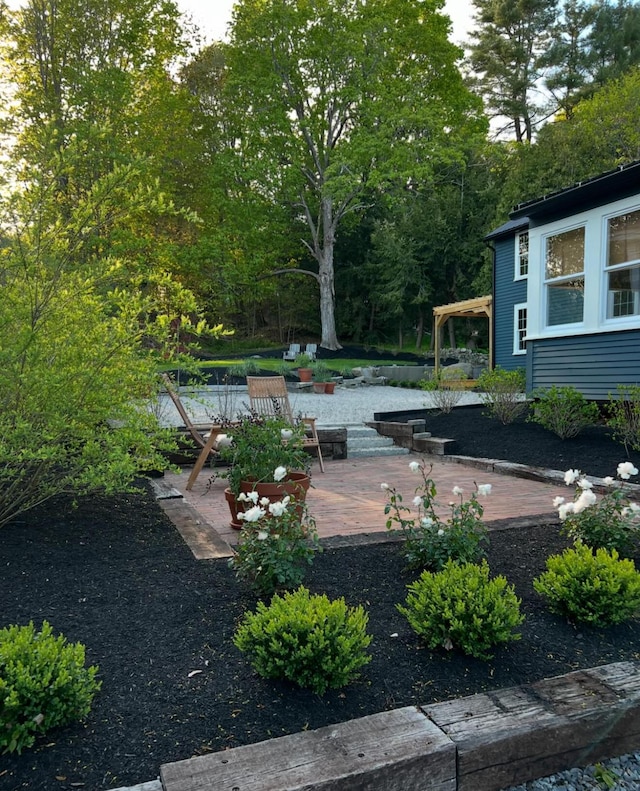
203	434
268	396
292	352
311	351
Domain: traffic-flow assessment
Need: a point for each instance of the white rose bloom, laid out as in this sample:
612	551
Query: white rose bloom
441	532
286	433
417	501
253	497
564	510
608	481
571	476
557	501
484	489
264	501
586	499
414	466
426	521
279	473
277	509
626	470
262	535
253	514
457	490
584	483
385	487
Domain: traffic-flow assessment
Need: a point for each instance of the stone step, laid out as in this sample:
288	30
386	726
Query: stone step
369	442
393	450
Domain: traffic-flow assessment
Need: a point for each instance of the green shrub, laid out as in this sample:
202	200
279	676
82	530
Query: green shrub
246	367
501	392
460	607
564	410
591	586
309	640
624	416
43	684
430	541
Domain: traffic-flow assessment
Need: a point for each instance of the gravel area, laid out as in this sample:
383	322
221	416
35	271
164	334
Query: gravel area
348	405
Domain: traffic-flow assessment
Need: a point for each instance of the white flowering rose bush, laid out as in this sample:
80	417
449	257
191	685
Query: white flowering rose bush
277	544
609	521
431	541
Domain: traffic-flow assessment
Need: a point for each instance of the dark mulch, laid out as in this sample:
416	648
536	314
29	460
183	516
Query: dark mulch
115	575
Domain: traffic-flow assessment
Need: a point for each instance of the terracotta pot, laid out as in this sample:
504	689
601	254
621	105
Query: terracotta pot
319	387
233	504
329	387
305	374
296	484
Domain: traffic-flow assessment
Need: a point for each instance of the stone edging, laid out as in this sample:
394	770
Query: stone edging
484	742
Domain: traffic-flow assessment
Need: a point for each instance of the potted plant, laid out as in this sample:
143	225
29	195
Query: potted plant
321	376
304	364
265	455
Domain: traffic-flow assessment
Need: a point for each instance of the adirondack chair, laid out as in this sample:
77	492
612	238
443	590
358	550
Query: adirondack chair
292	352
203	434
268	396
311	351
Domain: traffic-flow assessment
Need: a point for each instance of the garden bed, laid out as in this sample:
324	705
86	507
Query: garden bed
115	575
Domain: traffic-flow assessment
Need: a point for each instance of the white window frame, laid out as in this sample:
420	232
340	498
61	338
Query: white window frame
518	337
550	282
518	274
634	263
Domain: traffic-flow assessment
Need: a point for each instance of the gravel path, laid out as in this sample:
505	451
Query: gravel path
348	405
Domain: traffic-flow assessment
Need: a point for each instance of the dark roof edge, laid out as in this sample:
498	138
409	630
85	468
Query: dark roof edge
540	205
507	228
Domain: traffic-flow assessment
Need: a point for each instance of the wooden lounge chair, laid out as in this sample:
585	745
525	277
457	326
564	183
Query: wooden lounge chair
292	352
203	434
268	396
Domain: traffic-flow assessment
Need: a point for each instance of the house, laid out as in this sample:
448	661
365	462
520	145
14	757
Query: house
566	301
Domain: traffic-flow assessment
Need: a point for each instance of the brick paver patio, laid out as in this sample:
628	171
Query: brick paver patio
347	499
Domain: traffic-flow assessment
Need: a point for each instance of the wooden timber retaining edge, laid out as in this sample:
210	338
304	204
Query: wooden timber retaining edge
480	743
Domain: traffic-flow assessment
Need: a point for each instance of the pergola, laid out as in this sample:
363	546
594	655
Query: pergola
468	308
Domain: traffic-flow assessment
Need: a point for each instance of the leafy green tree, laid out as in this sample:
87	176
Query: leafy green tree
333	99
505	52
80	335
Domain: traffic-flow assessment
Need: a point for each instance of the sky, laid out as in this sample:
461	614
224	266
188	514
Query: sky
212	16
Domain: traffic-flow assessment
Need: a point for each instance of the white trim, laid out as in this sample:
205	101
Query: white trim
516	328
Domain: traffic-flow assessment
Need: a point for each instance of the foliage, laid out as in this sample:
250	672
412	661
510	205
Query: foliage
623	416
82	330
563	410
613	522
303	360
461	608
502	393
246	367
307	639
277	542
259	446
443	396
335	108
321	372
429	541
508	43
43	684
590	586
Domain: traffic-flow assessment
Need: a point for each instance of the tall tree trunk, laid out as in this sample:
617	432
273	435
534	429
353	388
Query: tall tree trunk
420	330
329	339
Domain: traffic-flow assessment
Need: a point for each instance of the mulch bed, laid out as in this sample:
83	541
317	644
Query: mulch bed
114	574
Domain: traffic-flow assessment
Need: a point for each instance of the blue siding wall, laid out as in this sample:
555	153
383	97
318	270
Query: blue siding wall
593	364
507	293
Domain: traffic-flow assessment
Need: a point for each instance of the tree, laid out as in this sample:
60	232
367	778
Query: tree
335	98
506	52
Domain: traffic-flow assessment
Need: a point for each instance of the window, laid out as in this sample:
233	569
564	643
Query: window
564	277
519	328
522	255
623	265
